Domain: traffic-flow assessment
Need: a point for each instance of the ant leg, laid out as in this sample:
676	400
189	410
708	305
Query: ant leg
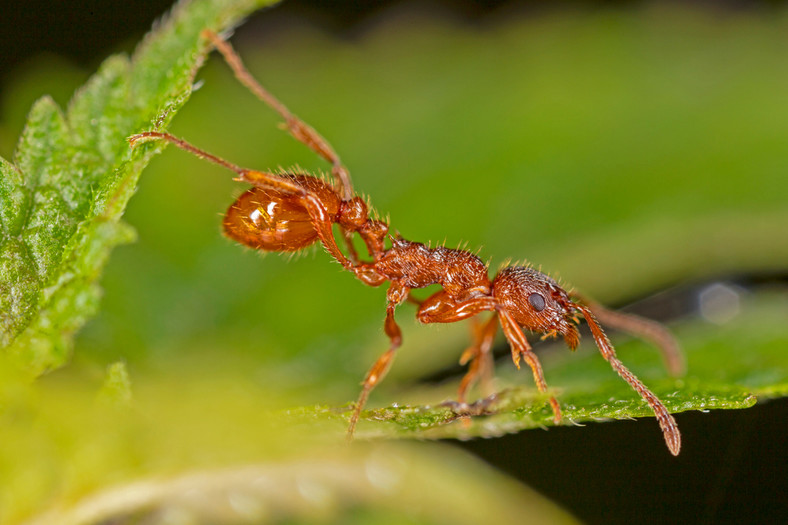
441	307
643	328
479	356
257	178
320	217
670	429
299	129
352	253
396	295
521	348
157	135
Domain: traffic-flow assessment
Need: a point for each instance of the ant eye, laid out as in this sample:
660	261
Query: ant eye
537	301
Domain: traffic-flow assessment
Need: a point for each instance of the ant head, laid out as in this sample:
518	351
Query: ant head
536	302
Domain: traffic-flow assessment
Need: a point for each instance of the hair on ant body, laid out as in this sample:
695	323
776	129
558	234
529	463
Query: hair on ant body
286	212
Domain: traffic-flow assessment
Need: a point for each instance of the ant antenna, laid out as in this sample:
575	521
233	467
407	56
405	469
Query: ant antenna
666	422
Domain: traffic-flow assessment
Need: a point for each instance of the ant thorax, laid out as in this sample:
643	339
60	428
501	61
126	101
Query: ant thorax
416	265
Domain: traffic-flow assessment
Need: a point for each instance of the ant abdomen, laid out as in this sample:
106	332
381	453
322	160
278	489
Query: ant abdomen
276	221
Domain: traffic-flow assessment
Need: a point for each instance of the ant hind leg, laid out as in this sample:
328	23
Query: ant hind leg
299	129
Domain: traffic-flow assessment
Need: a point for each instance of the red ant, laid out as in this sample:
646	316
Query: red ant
286	212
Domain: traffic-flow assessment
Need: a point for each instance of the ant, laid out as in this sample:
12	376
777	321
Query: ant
289	211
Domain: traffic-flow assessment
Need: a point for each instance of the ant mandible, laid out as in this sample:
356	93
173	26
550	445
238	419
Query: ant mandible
286	212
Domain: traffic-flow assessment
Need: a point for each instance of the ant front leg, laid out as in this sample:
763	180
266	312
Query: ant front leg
396	295
521	348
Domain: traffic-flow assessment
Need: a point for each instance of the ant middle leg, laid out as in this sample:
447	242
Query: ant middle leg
442	307
396	295
480	358
481	364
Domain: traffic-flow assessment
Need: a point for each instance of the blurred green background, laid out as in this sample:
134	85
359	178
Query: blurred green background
625	150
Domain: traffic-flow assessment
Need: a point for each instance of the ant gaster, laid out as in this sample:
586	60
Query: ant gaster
286	212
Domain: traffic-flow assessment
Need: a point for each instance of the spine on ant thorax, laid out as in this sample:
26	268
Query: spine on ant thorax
415	265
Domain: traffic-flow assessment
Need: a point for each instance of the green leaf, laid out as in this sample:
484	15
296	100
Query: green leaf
73	173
